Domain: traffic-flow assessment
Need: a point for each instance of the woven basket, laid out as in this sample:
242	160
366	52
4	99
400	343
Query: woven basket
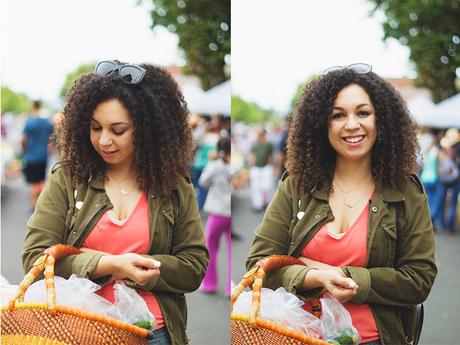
51	324
251	329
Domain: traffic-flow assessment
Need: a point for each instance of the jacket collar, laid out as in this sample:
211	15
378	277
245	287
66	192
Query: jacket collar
391	195
96	181
388	194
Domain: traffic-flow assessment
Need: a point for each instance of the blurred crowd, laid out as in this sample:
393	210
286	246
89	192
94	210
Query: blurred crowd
257	159
259	153
440	174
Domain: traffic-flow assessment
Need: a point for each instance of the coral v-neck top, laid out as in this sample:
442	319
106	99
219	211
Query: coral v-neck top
130	236
347	250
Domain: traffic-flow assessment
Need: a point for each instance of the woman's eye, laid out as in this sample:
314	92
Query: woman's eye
338	115
118	132
364	113
96	129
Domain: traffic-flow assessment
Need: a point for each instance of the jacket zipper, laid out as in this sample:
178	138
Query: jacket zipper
84	228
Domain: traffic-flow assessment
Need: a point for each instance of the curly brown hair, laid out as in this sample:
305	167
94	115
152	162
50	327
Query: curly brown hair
311	159
162	135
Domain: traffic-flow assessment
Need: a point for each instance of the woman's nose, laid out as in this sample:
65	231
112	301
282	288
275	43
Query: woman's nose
352	123
105	139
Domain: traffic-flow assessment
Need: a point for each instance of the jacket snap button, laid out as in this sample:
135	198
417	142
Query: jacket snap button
98	204
374	209
74	233
292	243
318	216
79	204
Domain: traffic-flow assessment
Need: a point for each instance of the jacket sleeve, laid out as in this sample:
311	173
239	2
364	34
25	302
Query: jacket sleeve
47	227
272	238
183	270
410	281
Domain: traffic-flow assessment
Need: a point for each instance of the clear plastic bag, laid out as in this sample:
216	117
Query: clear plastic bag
7	291
282	307
74	292
336	319
133	307
81	293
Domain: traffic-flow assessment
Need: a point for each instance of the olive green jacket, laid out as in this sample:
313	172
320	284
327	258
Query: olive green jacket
66	215
400	268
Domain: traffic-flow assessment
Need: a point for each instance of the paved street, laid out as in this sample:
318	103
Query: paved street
442	309
208	315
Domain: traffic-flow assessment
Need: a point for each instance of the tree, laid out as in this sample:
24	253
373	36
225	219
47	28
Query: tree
72	76
300	89
203	28
249	112
431	30
16	103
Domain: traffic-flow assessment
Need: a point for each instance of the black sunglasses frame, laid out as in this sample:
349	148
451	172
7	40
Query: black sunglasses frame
135	79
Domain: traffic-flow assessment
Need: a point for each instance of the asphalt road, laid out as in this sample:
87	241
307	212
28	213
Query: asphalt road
208	315
442	308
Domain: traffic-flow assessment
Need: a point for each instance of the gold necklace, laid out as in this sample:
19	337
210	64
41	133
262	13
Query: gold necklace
123	191
353	189
347	203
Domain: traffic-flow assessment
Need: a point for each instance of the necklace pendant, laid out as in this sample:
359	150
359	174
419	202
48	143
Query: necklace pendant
348	205
124	191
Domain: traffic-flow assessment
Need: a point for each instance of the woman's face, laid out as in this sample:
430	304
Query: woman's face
111	133
352	130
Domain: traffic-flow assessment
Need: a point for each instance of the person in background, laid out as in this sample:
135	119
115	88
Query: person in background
261	172
449	171
205	149
34	142
351	207
122	195
216	177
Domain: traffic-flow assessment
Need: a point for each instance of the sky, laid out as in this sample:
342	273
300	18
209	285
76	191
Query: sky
43	41
276	45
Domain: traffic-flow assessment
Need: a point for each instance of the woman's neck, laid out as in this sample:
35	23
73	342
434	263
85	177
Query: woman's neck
353	172
119	173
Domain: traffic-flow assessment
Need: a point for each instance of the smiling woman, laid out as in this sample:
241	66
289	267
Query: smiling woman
350	206
121	193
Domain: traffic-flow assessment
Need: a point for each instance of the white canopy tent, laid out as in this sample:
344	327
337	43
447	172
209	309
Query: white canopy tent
422	109
448	112
443	115
213	101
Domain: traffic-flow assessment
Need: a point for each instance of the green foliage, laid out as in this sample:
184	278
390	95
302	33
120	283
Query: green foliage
248	112
203	28
299	91
72	76
431	30
16	103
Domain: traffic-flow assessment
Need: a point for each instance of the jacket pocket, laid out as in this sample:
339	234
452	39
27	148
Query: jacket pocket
390	238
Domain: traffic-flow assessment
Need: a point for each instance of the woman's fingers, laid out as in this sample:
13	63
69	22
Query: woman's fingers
146	262
344	282
143	276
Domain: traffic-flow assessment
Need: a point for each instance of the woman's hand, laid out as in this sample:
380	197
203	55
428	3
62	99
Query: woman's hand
132	266
342	288
135	267
321	266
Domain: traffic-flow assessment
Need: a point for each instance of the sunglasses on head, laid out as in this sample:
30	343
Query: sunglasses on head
129	74
359	68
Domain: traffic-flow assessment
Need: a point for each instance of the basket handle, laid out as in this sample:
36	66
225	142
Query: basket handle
257	275
46	261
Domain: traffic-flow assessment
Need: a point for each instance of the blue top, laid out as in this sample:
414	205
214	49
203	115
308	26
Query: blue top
37	131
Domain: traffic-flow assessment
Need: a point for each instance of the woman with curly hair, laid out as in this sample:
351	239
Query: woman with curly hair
122	195
351	208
